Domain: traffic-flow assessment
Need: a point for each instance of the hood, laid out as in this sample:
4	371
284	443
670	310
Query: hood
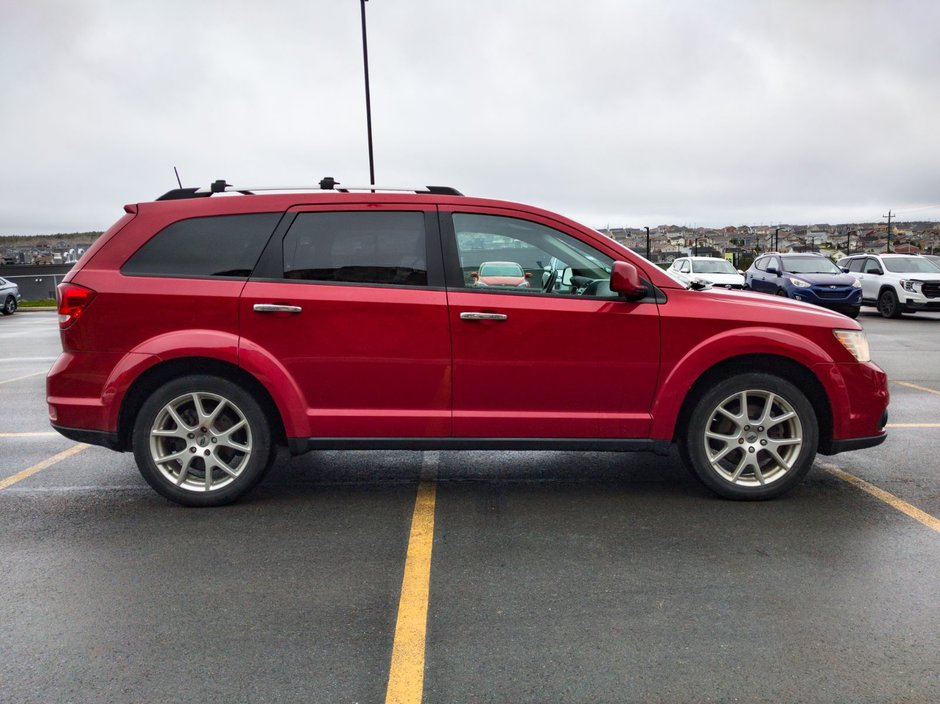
759	307
825	279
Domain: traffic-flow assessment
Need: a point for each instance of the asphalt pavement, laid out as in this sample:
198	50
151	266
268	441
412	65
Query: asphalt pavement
553	576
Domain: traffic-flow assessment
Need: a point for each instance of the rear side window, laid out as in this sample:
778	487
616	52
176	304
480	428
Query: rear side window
222	246
358	247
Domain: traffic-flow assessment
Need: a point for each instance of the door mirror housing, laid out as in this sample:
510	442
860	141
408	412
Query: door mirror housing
625	280
773	270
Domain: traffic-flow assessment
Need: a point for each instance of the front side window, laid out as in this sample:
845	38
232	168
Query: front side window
872	267
220	246
500	253
856	265
357	247
761	264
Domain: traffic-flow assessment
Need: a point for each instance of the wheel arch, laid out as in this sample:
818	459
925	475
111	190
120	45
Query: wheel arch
784	367
162	372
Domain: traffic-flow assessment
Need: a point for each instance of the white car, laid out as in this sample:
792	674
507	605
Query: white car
895	283
712	270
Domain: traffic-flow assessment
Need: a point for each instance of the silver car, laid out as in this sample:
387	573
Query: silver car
9	297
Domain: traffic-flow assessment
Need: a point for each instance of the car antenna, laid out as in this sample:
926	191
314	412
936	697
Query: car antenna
177	177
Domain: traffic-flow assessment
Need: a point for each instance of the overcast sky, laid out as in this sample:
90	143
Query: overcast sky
613	112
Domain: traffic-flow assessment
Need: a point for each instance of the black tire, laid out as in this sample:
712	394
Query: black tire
781	292
851	312
888	304
9	306
749	458
202	441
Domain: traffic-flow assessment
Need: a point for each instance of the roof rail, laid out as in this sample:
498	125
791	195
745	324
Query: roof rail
326	184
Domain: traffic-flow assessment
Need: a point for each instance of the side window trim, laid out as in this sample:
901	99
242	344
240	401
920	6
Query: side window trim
271	264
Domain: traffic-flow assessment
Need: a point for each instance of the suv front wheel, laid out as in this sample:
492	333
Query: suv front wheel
888	304
751	436
202	441
9	306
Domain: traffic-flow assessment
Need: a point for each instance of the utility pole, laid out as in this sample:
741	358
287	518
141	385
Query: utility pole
365	65
648	243
776	239
889	216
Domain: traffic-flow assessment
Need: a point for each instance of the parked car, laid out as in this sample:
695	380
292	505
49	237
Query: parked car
895	283
9	297
811	278
202	331
506	274
709	270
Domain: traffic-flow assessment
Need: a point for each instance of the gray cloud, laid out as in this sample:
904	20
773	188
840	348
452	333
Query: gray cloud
634	113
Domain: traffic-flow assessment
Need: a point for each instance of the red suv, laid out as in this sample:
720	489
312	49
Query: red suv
207	328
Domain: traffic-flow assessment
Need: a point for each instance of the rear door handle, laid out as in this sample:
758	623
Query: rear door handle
275	308
483	316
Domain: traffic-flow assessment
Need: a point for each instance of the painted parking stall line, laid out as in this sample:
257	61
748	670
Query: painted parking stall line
918	387
30	471
20	378
406	673
885	496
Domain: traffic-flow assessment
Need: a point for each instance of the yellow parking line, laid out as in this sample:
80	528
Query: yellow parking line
919	388
913	425
46	434
888	498
30	471
406	674
20	378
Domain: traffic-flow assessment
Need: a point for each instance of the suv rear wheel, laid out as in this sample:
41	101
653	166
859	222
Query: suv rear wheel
202	441
751	436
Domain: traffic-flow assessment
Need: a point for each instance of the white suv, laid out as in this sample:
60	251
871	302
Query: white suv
896	283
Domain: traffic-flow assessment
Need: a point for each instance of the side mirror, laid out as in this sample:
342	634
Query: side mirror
474	275
845	269
625	280
773	270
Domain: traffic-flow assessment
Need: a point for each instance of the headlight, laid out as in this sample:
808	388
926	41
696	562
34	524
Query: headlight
912	286
855	342
856	283
799	283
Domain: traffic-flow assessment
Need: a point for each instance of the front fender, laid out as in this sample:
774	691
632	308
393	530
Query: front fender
719	348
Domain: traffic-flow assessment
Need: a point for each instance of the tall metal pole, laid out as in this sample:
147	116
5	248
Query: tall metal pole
648	243
365	64
889	216
777	239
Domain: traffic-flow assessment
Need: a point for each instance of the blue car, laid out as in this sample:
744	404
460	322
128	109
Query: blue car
806	277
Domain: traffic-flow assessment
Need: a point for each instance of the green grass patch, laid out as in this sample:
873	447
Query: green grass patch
41	303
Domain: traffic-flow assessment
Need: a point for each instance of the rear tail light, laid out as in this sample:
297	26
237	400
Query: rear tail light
73	300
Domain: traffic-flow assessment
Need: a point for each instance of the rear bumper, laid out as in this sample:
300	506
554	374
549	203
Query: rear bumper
91	437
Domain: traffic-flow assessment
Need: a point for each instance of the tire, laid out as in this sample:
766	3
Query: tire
851	312
9	306
888	304
197	423
781	292
743	456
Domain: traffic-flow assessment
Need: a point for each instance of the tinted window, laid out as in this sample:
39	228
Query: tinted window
856	265
227	245
872	266
552	261
358	247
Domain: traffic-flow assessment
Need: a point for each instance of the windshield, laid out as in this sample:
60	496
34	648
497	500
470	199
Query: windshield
909	265
717	266
810	265
501	269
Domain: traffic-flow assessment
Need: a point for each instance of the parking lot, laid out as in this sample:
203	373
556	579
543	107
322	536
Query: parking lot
554	577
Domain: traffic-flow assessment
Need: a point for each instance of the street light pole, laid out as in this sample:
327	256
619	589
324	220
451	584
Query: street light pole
365	65
648	243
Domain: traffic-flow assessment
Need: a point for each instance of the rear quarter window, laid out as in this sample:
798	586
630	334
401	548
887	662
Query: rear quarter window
226	246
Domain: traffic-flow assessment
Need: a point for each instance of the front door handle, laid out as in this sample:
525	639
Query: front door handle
483	316
275	308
